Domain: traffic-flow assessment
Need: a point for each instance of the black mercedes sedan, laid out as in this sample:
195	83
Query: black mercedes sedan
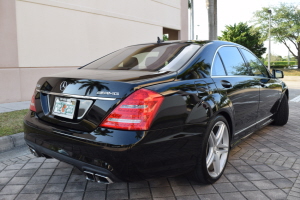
157	109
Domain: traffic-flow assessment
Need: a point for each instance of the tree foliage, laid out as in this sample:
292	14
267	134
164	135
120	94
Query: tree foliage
285	25
244	35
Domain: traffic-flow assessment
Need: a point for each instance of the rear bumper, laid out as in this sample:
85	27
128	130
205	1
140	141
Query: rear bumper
82	166
165	152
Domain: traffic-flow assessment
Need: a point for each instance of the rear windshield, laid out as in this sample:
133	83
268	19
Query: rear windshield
150	57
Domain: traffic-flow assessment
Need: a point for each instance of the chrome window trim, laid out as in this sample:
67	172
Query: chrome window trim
253	124
213	61
76	96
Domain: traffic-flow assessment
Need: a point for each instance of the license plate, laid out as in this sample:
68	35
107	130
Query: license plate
64	107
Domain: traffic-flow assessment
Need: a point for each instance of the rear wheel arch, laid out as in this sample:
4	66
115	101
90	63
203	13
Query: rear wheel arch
229	119
287	94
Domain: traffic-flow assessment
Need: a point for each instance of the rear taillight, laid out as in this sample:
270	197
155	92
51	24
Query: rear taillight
32	103
136	112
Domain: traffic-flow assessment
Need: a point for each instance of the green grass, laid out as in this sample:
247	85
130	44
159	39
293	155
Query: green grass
12	122
290	72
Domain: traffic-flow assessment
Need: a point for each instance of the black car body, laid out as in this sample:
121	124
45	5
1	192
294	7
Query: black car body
149	110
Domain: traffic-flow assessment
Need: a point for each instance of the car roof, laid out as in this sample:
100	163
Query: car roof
196	42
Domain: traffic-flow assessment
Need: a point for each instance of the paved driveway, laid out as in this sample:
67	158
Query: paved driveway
264	166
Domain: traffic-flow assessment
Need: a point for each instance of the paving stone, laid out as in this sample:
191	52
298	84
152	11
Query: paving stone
262	168
94	186
245	169
32	165
52	188
139	184
39	160
193	197
52	196
8	173
282	183
27	196
44	172
179	181
264	184
39	180
14	166
4	181
18	180
183	190
257	195
7	197
138	193
11	189
64	165
237	162
210	197
232	196
50	165
223	179
254	176
164	198
160	182
75	187
61	171
117	186
77	178
231	170
35	189
117	194
59	179
224	187
288	173
162	192
204	189
73	196
271	175
51	160
244	186
25	173
94	195
235	177
275	194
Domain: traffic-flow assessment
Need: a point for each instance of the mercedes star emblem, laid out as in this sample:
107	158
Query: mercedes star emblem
63	85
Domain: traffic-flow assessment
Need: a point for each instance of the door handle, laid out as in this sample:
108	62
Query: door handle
226	84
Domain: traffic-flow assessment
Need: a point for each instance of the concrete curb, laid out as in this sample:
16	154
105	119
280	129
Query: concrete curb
11	141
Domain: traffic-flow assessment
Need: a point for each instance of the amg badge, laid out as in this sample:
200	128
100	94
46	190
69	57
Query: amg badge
108	93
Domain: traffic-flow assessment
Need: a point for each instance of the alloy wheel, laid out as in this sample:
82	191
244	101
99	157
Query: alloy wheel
217	149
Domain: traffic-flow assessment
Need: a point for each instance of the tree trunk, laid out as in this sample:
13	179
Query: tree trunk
212	19
298	57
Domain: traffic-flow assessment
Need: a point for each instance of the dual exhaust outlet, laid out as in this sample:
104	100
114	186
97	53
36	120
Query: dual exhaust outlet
90	176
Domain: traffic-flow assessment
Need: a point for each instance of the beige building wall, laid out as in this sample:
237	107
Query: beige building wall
49	36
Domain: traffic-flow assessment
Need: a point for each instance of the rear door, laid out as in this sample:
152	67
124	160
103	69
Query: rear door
233	79
270	88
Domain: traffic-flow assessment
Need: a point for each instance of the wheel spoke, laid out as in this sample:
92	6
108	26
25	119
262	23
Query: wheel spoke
220	134
210	159
213	138
217	164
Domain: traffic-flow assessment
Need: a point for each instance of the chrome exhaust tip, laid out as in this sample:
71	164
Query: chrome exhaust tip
33	151
90	176
103	179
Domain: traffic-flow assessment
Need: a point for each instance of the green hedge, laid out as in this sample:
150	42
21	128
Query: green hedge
281	63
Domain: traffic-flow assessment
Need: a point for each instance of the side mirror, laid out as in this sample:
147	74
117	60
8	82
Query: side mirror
277	73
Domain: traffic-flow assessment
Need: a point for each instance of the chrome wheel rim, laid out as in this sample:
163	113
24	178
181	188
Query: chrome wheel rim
217	149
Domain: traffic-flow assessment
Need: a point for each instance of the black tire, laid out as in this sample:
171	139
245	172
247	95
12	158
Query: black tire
282	115
201	172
